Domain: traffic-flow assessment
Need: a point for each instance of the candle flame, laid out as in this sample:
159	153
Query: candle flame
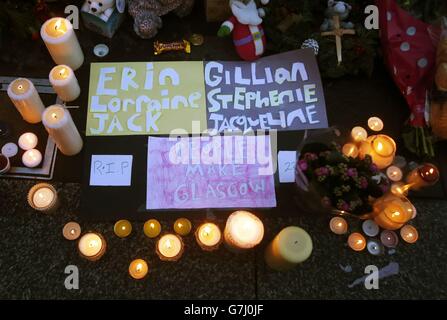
206	231
168	244
340	224
57	25
20	87
179	224
380	146
139	267
72	231
360	241
62	72
54	115
410	235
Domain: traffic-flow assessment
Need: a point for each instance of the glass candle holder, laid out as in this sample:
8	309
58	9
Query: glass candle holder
43	197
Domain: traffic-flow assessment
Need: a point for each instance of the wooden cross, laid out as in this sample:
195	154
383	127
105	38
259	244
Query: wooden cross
338	32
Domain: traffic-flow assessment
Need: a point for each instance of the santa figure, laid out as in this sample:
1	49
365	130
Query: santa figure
245	24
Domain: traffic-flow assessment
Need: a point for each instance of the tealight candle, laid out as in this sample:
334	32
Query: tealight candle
182	226
208	236
243	230
92	246
60	126
370	228
380	148
32	158
423	176
374	247
27	101
122	228
152	228
338	225
356	241
350	150
64	83
359	134
5	164
138	269
43	197
389	238
394	173
169	247
61	42
375	124
28	141
409	234
71	231
291	246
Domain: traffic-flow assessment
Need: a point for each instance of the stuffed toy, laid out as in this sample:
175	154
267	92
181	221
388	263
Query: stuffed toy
100	8
245	24
147	14
337	8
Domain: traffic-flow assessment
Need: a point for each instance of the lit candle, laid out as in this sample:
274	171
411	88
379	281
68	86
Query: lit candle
394	173
28	141
43	197
391	212
5	164
92	246
291	246
350	150
356	241
389	238
208	236
338	225
243	230
182	226
381	148
32	158
375	124
138	269
61	41
64	83
60	126
27	101
169	247
423	176
122	228
152	228
71	231
409	234
359	134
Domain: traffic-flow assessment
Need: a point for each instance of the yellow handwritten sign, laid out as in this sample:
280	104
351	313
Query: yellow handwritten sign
140	98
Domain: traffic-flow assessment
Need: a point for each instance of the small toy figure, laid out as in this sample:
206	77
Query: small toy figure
340	9
100	8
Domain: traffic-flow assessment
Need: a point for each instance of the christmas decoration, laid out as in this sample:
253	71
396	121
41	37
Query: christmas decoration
409	53
311	44
245	24
147	14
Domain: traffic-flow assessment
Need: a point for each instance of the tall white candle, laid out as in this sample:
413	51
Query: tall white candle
26	99
60	126
61	41
64	82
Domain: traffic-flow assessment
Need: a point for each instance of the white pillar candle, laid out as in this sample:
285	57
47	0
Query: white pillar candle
64	83
92	246
32	158
43	197
60	126
26	99
243	230
28	141
61	41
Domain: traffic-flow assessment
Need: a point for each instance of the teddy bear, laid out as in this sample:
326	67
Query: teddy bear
100	8
147	14
337	8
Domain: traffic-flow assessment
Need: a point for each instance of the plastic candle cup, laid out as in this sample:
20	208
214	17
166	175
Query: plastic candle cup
394	173
389	238
423	176
71	231
26	99
356	241
370	228
350	150
359	134
43	197
409	234
92	246
64	83
138	269
5	164
208	236
152	228
122	228
380	148
338	225
243	230
169	247
61	42
182	226
375	124
60	126
28	141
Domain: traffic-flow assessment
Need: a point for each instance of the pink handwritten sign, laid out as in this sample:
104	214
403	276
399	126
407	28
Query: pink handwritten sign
212	172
